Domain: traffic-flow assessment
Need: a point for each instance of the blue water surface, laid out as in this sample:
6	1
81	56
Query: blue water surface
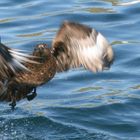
76	105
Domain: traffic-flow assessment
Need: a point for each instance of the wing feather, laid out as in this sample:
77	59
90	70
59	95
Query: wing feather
11	61
77	45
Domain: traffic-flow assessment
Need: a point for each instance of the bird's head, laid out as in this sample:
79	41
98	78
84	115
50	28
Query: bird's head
42	52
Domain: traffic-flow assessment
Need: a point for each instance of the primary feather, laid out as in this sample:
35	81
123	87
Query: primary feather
11	61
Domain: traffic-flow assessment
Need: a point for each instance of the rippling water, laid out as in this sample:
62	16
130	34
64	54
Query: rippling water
77	105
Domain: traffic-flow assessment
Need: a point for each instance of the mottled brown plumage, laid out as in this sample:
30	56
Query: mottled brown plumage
75	45
22	84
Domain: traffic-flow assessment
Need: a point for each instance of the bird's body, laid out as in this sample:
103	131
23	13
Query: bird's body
22	84
75	45
40	72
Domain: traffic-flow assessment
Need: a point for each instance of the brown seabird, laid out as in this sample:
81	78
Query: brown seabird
75	45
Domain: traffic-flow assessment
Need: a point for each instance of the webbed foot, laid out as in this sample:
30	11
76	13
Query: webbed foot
32	95
12	104
13	98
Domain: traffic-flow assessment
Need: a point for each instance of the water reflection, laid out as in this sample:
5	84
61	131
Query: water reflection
7	20
100	10
85	89
121	3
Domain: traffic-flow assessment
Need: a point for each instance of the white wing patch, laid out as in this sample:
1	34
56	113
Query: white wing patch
89	52
18	59
15	63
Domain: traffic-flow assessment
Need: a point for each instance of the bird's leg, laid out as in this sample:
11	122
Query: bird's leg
13	99
32	95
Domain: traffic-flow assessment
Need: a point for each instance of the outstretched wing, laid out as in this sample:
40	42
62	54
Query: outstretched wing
76	44
11	61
